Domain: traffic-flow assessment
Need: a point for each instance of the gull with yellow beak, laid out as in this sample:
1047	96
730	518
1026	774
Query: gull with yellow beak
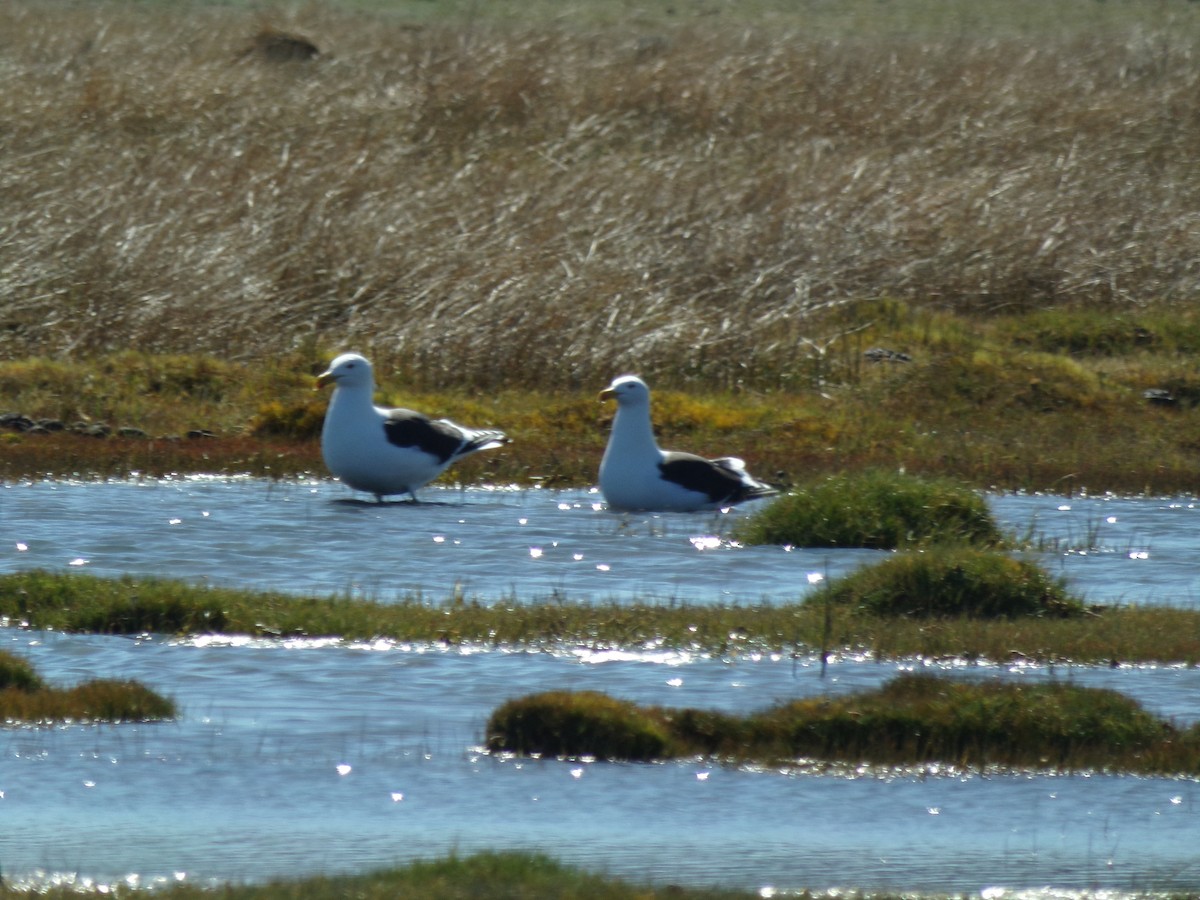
636	475
387	451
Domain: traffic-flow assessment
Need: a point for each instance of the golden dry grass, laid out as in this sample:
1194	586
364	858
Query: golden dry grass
481	203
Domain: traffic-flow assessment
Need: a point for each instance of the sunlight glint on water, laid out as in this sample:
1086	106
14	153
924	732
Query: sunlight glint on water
317	756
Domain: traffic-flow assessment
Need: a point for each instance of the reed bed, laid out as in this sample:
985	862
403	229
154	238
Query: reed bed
546	203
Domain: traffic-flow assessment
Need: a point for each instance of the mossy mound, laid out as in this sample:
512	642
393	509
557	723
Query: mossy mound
954	582
876	510
925	718
913	719
570	723
25	698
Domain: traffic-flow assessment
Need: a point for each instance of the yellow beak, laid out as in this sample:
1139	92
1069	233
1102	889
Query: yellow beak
323	379
607	394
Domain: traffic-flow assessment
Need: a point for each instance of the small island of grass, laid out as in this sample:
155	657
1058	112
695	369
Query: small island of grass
911	720
875	509
26	699
955	582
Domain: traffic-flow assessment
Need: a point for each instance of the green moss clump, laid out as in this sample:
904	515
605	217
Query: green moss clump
926	718
583	723
17	674
25	698
913	719
954	582
877	510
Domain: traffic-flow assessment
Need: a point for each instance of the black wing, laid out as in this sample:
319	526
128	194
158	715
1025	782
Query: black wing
699	474
723	480
437	437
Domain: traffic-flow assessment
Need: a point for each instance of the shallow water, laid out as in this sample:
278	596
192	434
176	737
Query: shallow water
299	757
319	538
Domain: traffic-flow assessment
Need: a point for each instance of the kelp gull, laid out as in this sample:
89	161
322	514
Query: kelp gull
387	451
636	475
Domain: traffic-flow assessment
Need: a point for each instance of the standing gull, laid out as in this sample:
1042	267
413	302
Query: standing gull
387	451
636	474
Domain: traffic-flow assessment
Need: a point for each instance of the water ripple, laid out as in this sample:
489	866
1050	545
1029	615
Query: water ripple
300	755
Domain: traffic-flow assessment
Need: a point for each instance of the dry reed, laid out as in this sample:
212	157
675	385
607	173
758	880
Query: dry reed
551	204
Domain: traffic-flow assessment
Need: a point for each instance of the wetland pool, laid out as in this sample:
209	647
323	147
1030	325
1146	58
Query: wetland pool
301	757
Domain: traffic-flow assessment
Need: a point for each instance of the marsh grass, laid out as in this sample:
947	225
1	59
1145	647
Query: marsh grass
735	202
688	196
79	602
954	582
488	875
876	510
578	723
907	418
25	698
911	719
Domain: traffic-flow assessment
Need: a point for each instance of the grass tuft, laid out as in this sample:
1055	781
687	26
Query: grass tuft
874	509
17	674
576	723
25	698
954	582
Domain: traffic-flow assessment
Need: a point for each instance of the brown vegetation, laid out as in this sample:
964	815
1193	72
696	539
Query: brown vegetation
547	205
505	206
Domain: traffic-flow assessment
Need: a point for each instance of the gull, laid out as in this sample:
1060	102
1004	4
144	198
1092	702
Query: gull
388	451
636	475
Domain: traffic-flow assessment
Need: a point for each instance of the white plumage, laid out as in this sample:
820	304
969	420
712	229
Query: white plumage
636	474
387	451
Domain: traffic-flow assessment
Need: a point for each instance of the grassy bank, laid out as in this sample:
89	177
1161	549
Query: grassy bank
507	206
83	603
1029	425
